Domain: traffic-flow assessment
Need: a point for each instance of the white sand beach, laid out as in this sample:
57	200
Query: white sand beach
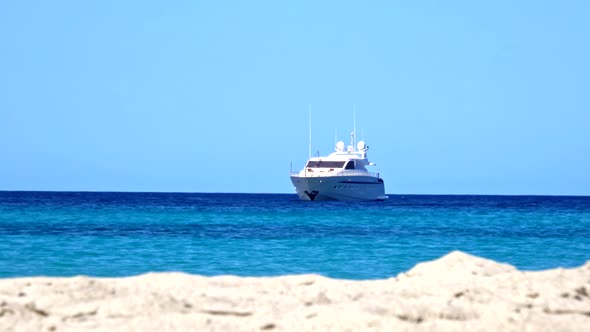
457	292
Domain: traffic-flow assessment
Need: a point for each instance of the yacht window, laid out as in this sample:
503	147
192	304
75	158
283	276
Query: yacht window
350	165
325	164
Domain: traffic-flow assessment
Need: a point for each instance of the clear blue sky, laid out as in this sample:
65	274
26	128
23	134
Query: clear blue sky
454	97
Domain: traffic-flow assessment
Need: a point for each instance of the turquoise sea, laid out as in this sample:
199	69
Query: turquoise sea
122	234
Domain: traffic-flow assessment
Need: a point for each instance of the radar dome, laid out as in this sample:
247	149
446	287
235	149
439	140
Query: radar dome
361	146
340	146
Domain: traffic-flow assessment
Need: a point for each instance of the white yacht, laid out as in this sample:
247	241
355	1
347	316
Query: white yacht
340	176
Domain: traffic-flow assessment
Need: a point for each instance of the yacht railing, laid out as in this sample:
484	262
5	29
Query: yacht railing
316	173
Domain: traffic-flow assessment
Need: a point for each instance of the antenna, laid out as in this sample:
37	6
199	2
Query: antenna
354	128
309	131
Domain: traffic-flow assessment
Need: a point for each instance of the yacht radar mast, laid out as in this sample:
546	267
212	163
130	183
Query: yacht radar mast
309	131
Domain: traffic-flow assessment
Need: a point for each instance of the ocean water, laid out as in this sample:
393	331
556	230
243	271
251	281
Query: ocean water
122	234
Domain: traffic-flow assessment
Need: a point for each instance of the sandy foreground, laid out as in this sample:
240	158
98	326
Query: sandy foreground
457	292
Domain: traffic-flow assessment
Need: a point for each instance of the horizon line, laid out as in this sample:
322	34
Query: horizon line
278	193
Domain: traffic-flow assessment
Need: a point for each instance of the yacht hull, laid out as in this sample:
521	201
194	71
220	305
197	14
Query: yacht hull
342	188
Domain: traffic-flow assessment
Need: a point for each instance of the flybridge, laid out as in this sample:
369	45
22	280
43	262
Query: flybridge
361	146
